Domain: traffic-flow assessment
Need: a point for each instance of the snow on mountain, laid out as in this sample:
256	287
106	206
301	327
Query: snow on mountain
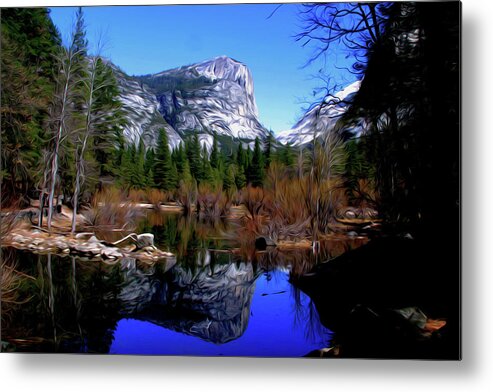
142	109
321	118
214	96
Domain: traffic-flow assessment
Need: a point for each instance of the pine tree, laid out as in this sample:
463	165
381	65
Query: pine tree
186	175
286	156
29	43
240	156
180	158
193	154
206	173
240	178
111	120
162	167
268	150
149	168
229	179
257	166
126	167
139	181
214	158
173	177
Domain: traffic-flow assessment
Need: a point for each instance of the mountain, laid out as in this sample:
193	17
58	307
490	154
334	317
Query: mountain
320	118
211	97
142	107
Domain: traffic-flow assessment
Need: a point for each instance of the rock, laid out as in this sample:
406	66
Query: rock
20	239
407	236
37	241
261	243
149	249
93	239
350	214
145	240
83	235
95	251
111	252
61	245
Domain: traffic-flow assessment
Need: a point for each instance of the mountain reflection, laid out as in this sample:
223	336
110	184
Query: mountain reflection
209	293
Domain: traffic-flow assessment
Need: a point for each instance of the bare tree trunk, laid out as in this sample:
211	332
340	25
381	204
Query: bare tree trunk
61	126
79	177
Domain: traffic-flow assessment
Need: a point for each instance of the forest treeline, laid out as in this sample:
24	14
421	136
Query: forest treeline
62	124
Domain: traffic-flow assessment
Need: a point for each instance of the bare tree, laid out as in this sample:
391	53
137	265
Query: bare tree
357	26
68	81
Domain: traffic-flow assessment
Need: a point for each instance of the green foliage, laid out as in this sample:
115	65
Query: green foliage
29	42
269	141
286	155
229	179
149	164
164	175
256	168
214	158
240	178
193	152
110	116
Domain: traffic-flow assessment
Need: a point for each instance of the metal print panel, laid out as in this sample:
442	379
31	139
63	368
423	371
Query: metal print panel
263	180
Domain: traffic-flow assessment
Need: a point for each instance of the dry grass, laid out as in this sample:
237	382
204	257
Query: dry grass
212	203
110	209
286	207
137	195
253	200
187	196
9	219
292	209
10	282
156	197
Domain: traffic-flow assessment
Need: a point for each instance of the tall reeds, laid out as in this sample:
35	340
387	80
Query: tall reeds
111	209
212	202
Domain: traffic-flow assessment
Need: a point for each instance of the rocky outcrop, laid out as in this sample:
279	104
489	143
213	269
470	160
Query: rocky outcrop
216	96
211	97
320	119
85	246
142	112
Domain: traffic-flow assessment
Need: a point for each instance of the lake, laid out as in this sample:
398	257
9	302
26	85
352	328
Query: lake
214	298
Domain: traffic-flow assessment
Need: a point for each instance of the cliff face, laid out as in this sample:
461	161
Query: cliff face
321	118
211	97
142	112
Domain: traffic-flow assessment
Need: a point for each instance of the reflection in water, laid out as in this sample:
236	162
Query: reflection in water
206	302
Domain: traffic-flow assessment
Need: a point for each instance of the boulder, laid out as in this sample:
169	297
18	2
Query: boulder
261	243
83	235
350	214
145	240
111	253
93	239
18	238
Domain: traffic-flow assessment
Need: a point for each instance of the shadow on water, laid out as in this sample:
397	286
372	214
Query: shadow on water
210	301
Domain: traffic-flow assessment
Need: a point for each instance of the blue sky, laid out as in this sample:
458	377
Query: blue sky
150	39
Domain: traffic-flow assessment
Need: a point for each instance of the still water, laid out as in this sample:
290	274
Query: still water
209	300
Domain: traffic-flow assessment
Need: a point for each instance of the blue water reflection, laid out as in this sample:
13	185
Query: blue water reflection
281	323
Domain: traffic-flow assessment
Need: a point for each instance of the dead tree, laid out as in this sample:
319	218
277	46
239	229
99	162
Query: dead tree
67	81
